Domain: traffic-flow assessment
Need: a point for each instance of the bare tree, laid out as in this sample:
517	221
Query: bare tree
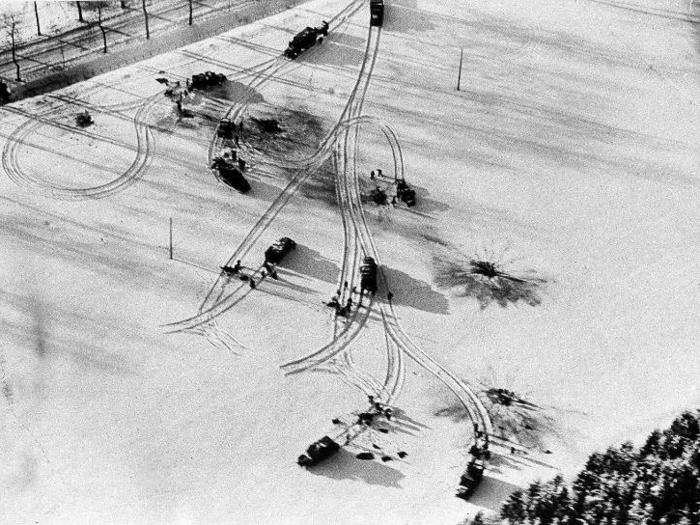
11	21
145	17
36	14
102	28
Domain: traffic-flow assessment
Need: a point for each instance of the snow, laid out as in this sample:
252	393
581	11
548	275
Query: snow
570	152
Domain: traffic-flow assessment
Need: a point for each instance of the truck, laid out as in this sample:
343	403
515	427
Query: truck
306	39
376	13
471	478
368	275
318	451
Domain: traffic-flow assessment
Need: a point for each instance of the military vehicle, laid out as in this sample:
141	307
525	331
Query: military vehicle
471	478
368	275
275	253
230	173
306	39
207	80
318	451
376	12
406	194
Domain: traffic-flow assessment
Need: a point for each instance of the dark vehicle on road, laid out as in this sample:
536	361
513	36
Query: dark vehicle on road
406	194
471	478
230	174
275	253
378	196
306	39
376	12
318	451
368	275
226	129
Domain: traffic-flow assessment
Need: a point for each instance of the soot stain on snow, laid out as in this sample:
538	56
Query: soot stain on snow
514	418
282	133
487	281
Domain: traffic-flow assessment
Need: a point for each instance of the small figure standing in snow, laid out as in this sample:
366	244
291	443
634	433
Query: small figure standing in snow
237	266
371	175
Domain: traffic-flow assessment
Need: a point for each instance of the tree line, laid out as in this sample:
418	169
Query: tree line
12	20
657	484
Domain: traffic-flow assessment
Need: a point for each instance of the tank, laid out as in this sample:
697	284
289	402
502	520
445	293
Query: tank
368	275
230	174
318	451
376	13
275	253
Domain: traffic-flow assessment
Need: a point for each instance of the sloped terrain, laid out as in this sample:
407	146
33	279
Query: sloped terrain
139	388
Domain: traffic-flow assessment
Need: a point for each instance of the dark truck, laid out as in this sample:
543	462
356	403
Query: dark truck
306	39
376	12
368	275
275	253
471	478
318	451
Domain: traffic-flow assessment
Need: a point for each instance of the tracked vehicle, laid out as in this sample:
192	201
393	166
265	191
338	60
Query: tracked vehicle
376	13
306	39
230	173
368	275
318	451
278	251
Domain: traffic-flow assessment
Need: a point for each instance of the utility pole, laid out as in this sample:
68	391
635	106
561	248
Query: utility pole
190	2
459	74
145	17
80	12
36	14
170	250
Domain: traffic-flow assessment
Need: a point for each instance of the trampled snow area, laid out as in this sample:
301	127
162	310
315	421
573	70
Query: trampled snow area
568	157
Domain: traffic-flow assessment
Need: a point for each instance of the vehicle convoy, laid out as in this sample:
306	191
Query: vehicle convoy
471	478
376	13
306	39
278	251
318	451
368	275
230	172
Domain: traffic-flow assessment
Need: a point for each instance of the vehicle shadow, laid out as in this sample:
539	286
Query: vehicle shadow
413	293
491	493
307	261
344	465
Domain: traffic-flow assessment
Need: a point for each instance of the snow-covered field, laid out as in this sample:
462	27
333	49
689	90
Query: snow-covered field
569	157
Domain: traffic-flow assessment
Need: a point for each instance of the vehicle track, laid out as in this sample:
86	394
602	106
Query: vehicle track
307	167
143	149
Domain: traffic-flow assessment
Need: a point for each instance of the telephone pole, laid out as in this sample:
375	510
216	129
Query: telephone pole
459	73
170	244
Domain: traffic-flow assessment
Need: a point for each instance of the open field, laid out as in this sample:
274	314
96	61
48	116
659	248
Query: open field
139	388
